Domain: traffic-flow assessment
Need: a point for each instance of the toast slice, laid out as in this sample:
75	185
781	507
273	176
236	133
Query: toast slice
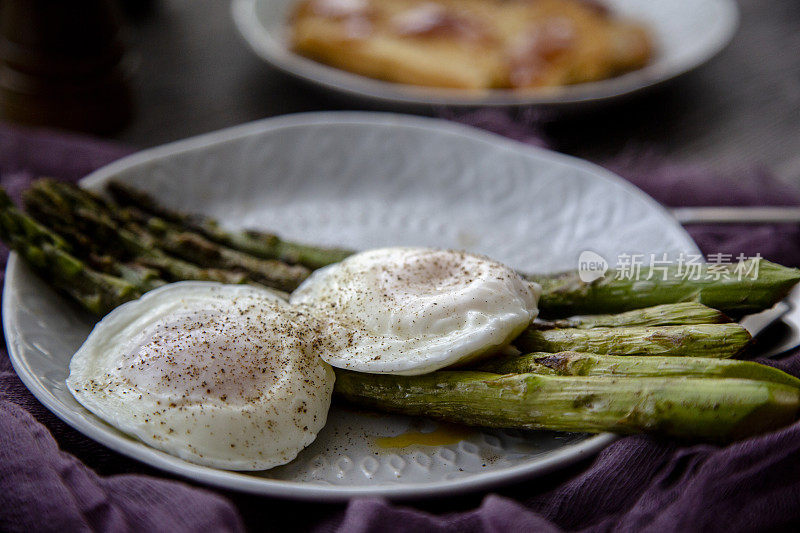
470	44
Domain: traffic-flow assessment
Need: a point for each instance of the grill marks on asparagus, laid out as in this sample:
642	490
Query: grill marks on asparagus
197	249
48	254
151	242
105	234
255	243
71	240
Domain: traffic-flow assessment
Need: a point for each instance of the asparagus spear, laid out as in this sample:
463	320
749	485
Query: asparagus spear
259	244
44	252
50	209
719	287
698	340
155	233
143	277
199	250
659	315
587	364
188	245
719	409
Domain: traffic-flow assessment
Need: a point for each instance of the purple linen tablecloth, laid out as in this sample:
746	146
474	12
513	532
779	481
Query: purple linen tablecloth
52	478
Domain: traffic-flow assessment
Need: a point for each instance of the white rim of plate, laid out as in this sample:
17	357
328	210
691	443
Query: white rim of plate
113	439
279	56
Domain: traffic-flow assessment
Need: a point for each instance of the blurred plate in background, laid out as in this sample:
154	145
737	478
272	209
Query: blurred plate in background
687	33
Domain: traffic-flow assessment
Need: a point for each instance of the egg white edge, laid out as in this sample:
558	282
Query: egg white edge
117	321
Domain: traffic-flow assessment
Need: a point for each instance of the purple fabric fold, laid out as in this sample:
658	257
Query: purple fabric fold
53	478
47	489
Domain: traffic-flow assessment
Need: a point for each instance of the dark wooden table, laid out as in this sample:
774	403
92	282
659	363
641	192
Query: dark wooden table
193	74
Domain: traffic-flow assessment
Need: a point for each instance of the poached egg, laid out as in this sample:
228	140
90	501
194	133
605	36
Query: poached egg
415	310
220	375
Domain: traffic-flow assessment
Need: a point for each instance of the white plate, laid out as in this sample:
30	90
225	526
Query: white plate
687	33
362	180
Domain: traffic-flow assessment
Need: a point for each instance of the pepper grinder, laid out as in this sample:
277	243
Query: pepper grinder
61	65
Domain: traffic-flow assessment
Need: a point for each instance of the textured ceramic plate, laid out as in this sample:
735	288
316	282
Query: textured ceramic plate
687	33
362	180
